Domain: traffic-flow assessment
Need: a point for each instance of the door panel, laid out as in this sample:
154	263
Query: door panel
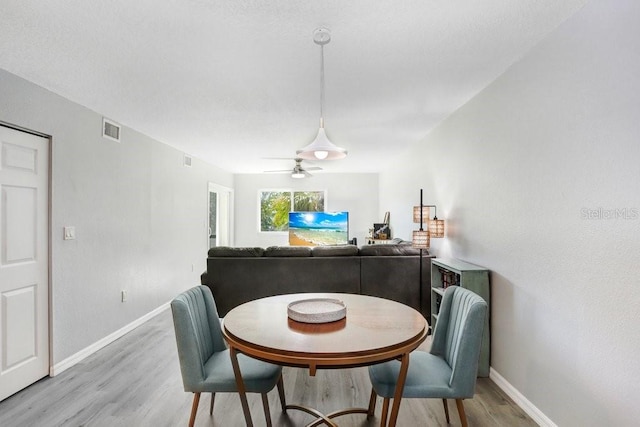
19	307
24	265
19	216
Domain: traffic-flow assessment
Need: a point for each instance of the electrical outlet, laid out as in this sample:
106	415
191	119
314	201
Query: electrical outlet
124	296
69	233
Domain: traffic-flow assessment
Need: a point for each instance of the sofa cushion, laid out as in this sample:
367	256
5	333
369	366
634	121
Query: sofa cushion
227	251
390	250
288	251
339	250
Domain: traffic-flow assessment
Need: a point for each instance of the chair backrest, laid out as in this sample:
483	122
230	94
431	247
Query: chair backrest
458	336
198	333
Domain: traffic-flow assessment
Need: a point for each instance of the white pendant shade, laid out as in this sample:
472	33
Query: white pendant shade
321	149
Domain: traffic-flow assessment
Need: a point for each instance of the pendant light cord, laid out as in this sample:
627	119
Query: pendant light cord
321	85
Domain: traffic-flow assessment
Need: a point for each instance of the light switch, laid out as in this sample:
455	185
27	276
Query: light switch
69	233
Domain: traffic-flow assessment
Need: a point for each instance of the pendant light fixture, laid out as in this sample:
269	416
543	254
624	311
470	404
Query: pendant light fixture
321	148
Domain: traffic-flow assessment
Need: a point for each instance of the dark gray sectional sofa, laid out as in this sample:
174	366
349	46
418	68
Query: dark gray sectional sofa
238	275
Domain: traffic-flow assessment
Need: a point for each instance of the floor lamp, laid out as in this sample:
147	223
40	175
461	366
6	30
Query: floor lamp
422	238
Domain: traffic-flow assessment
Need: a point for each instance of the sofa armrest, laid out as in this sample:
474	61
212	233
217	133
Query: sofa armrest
398	278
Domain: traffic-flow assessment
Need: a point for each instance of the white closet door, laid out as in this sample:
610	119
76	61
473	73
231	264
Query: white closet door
24	259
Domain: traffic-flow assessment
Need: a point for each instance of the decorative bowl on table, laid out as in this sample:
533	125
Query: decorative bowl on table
317	310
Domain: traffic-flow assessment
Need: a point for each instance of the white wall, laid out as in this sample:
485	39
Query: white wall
515	173
355	193
140	217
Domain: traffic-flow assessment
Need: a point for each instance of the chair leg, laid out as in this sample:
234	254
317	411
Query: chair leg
265	404
240	384
283	400
463	417
372	403
385	410
446	410
213	397
194	408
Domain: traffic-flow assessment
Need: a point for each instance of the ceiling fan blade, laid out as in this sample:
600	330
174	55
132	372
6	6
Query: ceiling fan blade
278	171
296	159
297	168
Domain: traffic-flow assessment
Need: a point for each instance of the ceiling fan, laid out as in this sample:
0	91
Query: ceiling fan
298	171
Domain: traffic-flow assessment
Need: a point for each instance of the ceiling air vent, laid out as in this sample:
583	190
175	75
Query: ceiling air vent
110	130
187	160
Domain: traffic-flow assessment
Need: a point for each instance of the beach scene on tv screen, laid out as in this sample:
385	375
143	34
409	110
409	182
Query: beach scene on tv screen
318	228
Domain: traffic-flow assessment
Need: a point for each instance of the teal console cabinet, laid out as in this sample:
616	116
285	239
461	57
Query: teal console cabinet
453	272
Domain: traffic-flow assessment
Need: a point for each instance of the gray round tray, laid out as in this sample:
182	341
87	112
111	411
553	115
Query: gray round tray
317	310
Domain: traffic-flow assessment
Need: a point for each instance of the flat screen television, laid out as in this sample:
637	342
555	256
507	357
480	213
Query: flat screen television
318	228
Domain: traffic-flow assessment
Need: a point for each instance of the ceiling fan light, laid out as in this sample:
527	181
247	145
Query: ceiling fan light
297	175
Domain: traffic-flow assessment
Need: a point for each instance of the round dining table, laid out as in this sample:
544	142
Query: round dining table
373	330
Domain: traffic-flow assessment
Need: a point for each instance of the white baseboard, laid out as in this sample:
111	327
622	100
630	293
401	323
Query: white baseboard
536	414
88	351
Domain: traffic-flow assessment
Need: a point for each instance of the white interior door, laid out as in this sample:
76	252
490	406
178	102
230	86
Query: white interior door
24	259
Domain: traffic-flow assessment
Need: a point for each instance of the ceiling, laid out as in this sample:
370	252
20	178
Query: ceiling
235	81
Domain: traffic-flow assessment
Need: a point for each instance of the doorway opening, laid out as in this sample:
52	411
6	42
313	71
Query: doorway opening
220	215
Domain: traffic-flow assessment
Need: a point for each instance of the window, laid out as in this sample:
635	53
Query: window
274	210
275	206
308	201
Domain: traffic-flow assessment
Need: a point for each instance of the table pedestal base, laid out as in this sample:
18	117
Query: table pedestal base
326	419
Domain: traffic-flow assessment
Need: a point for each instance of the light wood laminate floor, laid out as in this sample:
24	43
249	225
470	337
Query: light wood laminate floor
136	381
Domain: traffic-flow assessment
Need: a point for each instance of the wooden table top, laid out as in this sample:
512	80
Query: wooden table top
374	329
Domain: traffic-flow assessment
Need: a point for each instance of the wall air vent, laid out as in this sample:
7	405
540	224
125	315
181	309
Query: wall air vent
187	160
110	130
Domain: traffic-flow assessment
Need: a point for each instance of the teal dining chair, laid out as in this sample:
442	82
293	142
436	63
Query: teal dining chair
450	368
205	362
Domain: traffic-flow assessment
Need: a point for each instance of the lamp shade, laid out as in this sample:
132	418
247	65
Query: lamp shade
416	214
322	149
436	227
420	239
